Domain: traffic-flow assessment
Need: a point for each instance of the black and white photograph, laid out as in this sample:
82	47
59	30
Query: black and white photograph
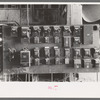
49	42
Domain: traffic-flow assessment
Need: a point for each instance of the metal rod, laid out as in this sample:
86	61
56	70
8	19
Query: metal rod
51	77
26	78
27	14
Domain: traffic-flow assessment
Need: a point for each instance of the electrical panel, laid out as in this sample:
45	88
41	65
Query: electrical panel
70	47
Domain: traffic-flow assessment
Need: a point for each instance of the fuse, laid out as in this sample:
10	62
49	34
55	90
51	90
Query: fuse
37	61
77	53
47	51
87	63
14	31
67	31
47	61
67	41
47	31
46	39
97	53
67	52
26	31
97	62
77	63
87	53
36	31
57	51
36	52
77	31
57	31
66	60
76	41
36	39
25	35
57	39
57	61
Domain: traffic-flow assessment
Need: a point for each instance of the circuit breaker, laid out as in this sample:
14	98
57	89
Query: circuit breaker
25	60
